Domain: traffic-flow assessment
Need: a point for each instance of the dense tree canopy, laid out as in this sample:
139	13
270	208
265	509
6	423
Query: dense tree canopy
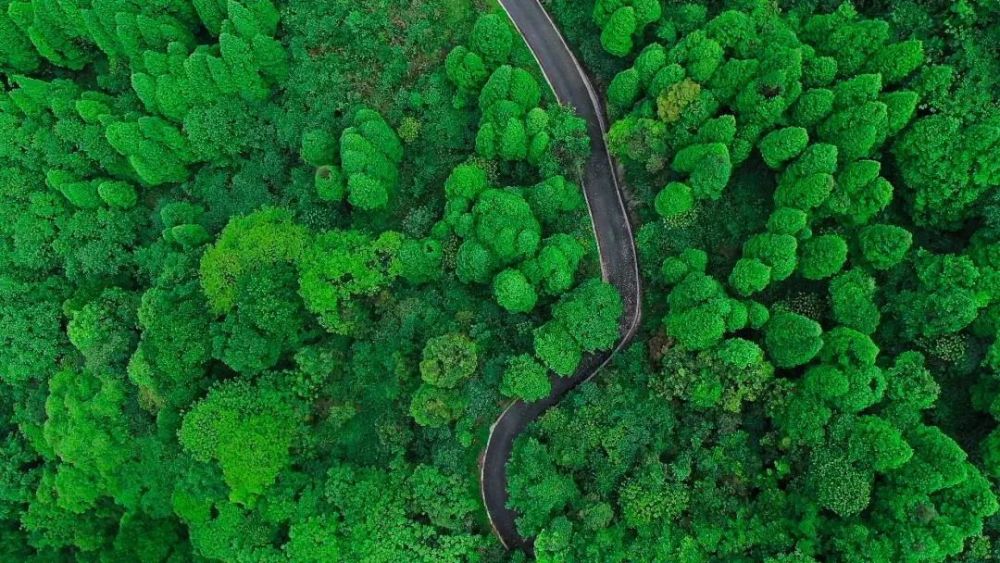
270	269
816	377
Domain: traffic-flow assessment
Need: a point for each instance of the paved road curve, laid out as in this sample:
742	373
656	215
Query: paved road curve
615	241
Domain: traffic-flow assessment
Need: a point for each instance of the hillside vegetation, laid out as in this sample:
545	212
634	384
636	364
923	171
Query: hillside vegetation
270	269
817	379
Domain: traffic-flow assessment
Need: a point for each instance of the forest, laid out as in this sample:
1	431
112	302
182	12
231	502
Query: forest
271	269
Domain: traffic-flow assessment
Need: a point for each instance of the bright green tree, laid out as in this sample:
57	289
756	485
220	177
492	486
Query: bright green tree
248	430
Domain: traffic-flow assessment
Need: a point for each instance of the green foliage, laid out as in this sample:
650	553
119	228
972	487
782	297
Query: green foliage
370	153
246	430
32	333
709	168
647	498
822	257
554	198
852	296
447	360
776	251
85	430
491	45
330	184
513	127
813	106
420	261
869	297
399	513
700	311
510	84
840	487
340	268
466	69
898	60
557	349
206	355
675	268
537	479
155	149
591	313
792	339
318	147
783	145
944	300
787	221
103	329
884	246
625	89
948	171
502	237
525	379
675	199
749	276
203	350
860	193
172	350
118	194
553	271
621	20
584	320
245	246
435	407
493	38
504	224
514	292
616	35
466	181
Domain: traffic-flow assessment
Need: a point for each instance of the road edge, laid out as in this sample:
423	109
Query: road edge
631	326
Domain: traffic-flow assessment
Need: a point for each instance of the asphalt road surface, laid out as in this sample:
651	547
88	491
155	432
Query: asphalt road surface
615	242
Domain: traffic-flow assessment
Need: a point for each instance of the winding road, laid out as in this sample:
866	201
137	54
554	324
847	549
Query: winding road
616	246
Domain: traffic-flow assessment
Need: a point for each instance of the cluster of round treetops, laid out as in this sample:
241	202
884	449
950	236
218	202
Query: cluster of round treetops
245	314
809	219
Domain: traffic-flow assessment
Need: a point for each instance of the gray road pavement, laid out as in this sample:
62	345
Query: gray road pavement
615	241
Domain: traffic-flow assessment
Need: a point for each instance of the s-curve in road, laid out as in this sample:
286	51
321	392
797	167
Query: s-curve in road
615	243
